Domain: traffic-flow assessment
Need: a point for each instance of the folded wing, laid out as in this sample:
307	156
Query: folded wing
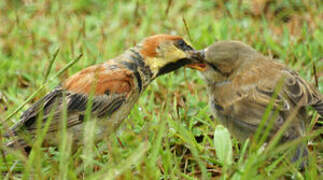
105	87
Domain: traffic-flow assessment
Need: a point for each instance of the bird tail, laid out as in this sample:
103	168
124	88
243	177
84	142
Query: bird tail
9	134
18	144
300	156
9	145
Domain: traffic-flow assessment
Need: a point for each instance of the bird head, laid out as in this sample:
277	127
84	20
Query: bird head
166	53
222	59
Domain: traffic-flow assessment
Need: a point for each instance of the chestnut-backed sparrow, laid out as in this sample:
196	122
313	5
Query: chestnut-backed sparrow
114	86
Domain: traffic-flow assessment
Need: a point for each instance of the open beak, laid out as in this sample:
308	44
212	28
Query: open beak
199	63
197	66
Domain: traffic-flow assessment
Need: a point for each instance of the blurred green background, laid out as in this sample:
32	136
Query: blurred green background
169	132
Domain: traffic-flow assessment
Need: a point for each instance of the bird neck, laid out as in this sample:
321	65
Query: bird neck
136	63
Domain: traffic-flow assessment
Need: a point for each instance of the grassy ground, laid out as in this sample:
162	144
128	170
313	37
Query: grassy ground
169	134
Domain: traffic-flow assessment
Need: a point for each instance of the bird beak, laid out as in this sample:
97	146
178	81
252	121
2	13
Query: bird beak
198	63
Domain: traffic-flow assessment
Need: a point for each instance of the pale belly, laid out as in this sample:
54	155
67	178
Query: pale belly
94	130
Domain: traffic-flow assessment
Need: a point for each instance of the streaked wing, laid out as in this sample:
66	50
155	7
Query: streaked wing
254	97
246	96
301	92
109	85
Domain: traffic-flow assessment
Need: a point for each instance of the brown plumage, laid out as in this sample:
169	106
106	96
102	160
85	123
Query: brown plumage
150	44
115	86
241	83
115	81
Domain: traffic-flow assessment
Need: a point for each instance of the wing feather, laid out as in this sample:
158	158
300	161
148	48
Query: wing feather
301	92
111	89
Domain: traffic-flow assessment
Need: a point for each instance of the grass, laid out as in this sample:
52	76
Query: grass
169	134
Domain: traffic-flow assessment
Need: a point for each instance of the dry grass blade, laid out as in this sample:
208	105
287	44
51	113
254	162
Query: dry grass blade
187	29
169	4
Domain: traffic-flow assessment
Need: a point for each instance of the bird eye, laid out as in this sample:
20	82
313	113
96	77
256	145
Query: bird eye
181	44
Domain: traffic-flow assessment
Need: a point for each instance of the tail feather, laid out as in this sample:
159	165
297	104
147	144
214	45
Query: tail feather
9	134
11	144
19	144
300	156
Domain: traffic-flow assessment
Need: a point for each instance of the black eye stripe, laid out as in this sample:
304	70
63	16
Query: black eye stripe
181	44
